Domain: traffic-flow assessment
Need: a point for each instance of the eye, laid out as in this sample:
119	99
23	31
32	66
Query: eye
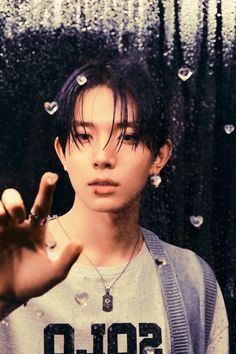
129	137
83	136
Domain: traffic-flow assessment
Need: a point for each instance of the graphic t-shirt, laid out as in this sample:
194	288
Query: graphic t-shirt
69	318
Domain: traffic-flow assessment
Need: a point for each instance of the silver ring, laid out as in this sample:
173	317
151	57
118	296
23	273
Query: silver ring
36	220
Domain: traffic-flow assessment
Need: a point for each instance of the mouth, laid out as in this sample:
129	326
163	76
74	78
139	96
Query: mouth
103	186
103	182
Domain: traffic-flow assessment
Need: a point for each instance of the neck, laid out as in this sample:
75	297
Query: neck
108	238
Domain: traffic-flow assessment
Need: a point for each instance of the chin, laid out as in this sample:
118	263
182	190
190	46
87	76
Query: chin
113	206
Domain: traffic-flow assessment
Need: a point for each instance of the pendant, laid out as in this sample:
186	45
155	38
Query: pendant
107	301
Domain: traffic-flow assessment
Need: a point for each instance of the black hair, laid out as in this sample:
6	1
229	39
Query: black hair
126	79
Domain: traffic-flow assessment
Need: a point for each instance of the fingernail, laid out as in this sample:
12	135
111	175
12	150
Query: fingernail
52	179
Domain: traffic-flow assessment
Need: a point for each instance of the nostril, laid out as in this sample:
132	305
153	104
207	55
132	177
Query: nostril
100	164
108	165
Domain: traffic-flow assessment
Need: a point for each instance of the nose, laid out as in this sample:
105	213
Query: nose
104	157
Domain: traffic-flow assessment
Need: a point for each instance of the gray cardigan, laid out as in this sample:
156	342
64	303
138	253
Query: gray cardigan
189	288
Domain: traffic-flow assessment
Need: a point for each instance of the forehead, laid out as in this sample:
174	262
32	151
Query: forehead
98	105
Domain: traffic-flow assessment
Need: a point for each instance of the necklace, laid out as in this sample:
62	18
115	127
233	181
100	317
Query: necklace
107	299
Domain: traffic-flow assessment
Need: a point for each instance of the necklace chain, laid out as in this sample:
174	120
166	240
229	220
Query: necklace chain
107	288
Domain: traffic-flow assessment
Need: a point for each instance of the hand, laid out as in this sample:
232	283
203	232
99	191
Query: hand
25	269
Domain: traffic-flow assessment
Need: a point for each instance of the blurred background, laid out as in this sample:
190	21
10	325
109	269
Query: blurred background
189	47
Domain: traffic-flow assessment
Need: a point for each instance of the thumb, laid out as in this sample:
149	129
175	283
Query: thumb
68	257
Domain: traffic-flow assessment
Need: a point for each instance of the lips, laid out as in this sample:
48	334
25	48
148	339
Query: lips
103	182
103	187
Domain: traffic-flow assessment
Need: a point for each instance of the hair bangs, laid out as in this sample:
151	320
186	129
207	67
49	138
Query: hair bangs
132	87
79	100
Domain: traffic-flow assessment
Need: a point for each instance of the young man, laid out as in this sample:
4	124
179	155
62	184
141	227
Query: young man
128	292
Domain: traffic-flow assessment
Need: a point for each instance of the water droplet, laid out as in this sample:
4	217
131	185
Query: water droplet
184	73
39	313
231	287
160	262
229	128
149	350
196	221
81	299
5	323
51	107
81	80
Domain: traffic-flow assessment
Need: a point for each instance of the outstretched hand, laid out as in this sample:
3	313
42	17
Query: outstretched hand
25	268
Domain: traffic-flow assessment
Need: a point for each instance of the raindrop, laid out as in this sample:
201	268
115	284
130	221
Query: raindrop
160	262
5	323
184	73
196	221
51	107
39	313
229	128
81	299
231	288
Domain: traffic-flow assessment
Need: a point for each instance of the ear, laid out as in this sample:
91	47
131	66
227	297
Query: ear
162	158
59	151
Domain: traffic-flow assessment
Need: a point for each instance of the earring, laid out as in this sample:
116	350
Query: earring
155	180
65	168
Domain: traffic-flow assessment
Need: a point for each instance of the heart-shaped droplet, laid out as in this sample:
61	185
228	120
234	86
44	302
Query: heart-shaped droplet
81	299
184	73
81	79
196	221
51	107
229	128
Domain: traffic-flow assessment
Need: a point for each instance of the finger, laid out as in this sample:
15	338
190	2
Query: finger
13	205
3	214
43	201
68	257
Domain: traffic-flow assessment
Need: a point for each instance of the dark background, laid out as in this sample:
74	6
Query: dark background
200	179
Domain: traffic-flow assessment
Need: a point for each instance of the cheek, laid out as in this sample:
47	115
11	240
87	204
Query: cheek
77	162
137	176
76	171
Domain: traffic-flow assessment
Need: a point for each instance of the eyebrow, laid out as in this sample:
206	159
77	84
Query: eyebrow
116	125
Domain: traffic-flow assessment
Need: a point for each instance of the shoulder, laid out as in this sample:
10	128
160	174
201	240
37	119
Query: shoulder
185	264
183	256
188	261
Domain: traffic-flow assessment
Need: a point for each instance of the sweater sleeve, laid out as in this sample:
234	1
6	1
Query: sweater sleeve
219	337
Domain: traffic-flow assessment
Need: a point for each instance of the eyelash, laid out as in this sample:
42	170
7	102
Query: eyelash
80	135
132	137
